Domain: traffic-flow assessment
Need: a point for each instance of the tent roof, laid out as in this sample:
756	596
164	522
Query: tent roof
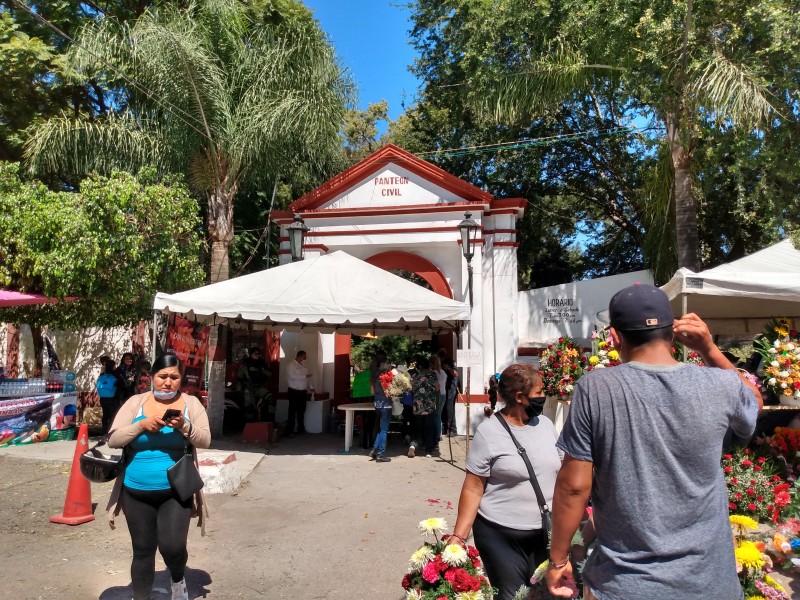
12	298
332	292
739	296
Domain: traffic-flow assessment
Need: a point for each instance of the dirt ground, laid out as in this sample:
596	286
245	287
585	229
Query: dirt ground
309	523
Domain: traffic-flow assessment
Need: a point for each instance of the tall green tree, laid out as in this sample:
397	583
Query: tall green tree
219	90
691	71
113	244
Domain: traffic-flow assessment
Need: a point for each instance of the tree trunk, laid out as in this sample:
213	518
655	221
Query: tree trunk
220	230
686	236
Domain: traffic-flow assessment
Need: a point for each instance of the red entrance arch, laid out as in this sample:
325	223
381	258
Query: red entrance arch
403	261
406	261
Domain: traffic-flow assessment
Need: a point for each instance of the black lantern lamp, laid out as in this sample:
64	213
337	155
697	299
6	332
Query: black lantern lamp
296	231
469	229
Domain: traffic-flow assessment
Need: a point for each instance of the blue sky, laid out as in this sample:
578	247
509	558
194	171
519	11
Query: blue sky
370	37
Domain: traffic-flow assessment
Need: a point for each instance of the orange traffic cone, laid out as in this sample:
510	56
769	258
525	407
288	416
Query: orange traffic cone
78	503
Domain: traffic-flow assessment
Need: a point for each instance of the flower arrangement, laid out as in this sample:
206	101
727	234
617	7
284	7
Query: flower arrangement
692	356
753	564
780	348
445	572
399	384
386	379
753	488
561	365
605	354
784	445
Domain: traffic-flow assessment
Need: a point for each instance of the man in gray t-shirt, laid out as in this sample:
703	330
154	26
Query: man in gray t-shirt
646	438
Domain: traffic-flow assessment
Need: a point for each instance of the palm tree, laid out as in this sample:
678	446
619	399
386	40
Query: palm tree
667	66
215	91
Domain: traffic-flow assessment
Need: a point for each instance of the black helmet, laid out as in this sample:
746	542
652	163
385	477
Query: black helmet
98	468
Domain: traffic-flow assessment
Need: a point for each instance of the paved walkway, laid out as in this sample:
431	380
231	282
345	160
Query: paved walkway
309	523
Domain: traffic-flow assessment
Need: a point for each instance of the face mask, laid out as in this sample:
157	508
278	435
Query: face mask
535	406
164	395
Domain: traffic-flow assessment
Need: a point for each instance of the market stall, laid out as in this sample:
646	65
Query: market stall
331	293
741	296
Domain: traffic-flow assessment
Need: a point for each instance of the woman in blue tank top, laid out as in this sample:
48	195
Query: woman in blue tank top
155	440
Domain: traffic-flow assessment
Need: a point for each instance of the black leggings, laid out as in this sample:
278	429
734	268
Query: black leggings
510	556
156	519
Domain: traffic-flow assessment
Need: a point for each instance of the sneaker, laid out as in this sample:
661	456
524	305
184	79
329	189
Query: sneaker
382	458
428	455
411	452
372	454
179	591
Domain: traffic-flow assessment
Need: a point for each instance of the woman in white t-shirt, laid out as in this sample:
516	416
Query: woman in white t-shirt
498	503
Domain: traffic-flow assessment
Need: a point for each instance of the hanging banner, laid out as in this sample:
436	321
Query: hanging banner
189	342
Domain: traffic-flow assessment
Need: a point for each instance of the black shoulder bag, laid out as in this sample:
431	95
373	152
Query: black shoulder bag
183	476
547	522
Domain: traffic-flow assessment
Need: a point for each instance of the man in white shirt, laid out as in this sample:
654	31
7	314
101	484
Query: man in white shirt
299	386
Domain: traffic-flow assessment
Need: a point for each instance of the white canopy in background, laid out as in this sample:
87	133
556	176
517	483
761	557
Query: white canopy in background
330	293
738	297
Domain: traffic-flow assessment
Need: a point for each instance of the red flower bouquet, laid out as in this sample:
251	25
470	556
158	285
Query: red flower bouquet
753	488
445	572
561	365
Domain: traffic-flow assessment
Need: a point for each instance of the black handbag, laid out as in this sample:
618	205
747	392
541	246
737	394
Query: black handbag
547	521
183	476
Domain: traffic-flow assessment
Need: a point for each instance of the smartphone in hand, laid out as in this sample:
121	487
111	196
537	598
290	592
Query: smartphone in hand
170	413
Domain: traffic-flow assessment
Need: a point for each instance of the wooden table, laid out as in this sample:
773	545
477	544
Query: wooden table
349	418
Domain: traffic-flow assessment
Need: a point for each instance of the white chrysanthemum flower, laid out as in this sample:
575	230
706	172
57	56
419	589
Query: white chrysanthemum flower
538	574
422	557
569	387
797	394
784	386
413	595
600	366
454	555
775	363
777	343
469	596
790	346
784	374
772	381
434	524
602	352
773	350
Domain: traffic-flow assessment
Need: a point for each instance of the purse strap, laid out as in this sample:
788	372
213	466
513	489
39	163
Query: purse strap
531	474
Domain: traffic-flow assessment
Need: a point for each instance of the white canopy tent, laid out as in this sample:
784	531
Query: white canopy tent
738	297
330	293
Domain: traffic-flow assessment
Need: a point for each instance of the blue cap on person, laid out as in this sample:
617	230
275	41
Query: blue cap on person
639	307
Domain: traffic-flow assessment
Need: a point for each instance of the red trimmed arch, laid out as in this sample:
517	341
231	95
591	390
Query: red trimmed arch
406	261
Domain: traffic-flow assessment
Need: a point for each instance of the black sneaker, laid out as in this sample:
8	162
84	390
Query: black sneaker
372	454
382	458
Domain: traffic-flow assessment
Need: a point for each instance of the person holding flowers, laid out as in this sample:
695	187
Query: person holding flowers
497	500
381	380
644	439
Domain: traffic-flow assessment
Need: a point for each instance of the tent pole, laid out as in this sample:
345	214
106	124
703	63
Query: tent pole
684	310
155	336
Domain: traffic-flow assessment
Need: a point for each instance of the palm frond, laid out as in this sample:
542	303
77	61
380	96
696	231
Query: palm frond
542	85
658	218
83	146
732	91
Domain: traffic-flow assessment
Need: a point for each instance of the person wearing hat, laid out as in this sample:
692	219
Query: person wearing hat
644	439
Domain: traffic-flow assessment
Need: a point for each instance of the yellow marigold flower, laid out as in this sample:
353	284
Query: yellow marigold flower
749	556
613	355
755	598
743	521
593	360
602	344
773	584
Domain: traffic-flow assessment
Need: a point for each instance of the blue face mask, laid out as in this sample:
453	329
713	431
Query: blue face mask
165	395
